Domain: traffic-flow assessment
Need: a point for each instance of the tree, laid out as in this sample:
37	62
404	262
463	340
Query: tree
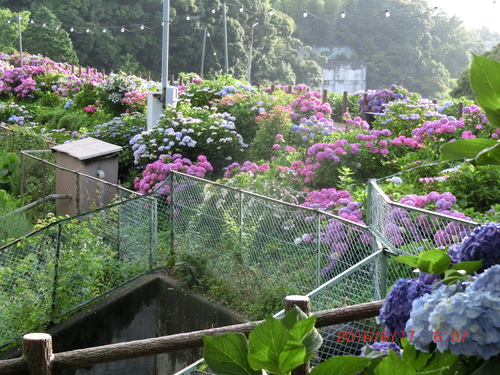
9	33
45	37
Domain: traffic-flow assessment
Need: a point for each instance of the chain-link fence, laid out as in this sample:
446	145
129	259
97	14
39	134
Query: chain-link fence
246	246
68	263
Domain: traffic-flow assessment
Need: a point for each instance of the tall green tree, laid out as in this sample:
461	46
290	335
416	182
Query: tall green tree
9	30
46	37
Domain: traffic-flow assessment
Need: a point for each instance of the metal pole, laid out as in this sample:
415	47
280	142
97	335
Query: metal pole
203	52
250	53
164	52
20	38
225	39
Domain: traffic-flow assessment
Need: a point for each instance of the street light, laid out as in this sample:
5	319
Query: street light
250	52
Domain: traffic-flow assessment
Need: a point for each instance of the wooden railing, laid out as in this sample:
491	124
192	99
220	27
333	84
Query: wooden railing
38	359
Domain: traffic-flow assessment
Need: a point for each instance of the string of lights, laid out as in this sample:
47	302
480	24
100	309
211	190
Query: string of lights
188	17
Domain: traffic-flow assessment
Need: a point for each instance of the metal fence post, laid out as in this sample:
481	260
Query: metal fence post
172	203
318	249
153	232
240	212
56	269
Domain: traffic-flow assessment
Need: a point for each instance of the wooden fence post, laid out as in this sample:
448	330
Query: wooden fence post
460	109
303	303
344	106
324	97
37	353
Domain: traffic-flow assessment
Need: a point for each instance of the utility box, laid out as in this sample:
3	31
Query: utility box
156	106
88	171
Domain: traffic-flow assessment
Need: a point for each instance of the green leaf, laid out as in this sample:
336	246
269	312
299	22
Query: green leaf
465	148
342	365
413	357
393	364
227	354
489	156
433	261
409	260
292	317
440	361
468	266
488	367
307	335
485	81
273	348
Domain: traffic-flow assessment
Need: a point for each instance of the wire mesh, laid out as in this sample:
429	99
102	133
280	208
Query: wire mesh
260	247
27	270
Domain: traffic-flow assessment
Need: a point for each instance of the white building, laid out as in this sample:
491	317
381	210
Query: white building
343	72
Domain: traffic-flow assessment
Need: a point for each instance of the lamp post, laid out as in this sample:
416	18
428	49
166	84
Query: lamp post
225	38
164	52
250	53
20	39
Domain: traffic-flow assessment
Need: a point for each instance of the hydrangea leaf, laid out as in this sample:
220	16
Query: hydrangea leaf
393	364
485	81
273	348
306	334
413	357
433	261
489	156
465	149
409	260
292	317
344	365
227	354
468	266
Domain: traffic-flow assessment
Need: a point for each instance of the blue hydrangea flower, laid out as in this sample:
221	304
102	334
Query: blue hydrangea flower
464	319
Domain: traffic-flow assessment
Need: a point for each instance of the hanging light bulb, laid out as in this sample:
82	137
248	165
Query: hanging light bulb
387	13
104	30
215	53
31	21
213	10
44	24
72	29
57	27
342	15
305	13
241	9
87	31
271	12
8	21
123	29
142	27
188	18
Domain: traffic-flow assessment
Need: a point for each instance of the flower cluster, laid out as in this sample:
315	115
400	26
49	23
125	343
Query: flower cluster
309	104
14	114
401	227
375	99
396	307
135	100
42	75
213	134
470	310
403	116
155	173
482	244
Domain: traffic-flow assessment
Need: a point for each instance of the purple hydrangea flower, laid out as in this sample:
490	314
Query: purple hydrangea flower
482	244
396	308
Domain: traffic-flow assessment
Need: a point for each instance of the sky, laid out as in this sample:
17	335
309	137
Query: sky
474	13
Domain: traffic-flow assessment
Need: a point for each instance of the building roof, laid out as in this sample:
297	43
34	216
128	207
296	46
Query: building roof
87	148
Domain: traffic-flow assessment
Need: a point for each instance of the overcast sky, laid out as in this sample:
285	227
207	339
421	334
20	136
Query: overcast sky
475	13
